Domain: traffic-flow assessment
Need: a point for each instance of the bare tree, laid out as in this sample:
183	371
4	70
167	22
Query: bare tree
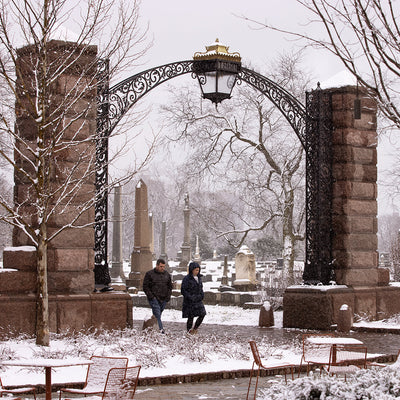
364	36
248	147
30	71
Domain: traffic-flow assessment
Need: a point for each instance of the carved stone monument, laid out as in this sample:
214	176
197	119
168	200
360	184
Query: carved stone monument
151	224
197	257
163	242
116	270
224	279
141	257
186	248
245	267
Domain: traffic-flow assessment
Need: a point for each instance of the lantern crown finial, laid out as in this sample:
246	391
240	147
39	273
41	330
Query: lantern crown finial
219	51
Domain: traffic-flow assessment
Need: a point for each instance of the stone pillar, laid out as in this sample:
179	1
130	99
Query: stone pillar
141	257
224	279
360	283
151	224
354	200
70	256
163	242
186	248
197	257
117	270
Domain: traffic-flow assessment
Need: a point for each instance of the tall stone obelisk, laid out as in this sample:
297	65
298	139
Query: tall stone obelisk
116	270
185	248
163	242
141	257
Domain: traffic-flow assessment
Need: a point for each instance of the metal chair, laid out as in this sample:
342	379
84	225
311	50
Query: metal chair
97	375
271	366
345	359
17	391
120	384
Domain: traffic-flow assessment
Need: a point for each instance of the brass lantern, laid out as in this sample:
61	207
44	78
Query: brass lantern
217	71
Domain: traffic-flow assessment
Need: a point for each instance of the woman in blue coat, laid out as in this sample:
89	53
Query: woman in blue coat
193	294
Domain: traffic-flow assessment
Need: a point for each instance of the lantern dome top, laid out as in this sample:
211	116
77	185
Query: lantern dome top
219	51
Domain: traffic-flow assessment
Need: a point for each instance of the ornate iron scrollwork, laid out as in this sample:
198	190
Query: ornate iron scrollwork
318	267
101	273
290	107
126	93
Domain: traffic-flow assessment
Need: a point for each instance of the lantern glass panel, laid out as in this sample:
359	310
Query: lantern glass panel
209	86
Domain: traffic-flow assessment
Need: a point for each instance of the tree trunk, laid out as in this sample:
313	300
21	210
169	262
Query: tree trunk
288	240
42	302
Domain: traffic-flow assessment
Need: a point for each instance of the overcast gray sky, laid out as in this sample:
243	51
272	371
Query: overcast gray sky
182	27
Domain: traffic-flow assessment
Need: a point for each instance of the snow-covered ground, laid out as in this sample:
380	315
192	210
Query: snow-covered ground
178	353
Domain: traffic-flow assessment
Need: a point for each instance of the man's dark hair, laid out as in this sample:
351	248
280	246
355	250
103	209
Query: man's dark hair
160	261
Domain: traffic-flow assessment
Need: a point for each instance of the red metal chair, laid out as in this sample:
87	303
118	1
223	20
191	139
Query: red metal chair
121	383
271	366
345	359
17	391
97	375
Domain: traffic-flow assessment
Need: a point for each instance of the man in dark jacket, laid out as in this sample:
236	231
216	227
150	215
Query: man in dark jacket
157	285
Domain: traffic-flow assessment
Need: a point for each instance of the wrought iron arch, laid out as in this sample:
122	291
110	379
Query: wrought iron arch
312	125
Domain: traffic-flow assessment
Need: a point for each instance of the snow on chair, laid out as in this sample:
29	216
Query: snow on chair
97	375
271	366
17	391
345	359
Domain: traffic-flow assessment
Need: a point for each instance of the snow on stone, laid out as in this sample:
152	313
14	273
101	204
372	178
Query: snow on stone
20	248
342	78
64	33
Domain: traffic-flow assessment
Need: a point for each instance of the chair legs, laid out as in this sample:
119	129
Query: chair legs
251	376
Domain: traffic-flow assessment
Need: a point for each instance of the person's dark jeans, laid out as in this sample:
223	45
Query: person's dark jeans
157	308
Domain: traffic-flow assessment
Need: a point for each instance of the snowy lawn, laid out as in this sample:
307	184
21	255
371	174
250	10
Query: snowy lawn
159	355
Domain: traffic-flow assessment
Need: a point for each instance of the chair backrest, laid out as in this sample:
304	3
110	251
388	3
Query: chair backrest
316	352
256	354
345	355
121	383
98	370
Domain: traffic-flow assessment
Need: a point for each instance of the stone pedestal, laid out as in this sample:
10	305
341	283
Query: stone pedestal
317	307
345	319
266	317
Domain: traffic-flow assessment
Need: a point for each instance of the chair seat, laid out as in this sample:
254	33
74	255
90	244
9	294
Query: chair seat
318	360
18	390
347	369
271	364
86	390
